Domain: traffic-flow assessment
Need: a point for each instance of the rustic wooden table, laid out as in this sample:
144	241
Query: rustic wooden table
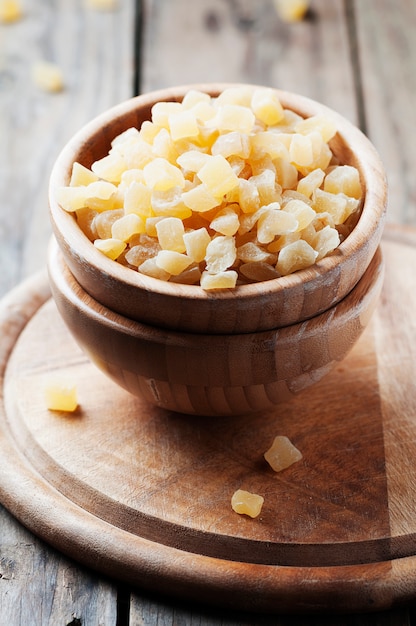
357	56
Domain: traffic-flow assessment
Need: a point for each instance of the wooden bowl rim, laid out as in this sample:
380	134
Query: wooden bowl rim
61	278
366	157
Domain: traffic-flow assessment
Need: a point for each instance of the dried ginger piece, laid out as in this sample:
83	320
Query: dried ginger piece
60	395
291	10
47	76
10	11
282	454
246	503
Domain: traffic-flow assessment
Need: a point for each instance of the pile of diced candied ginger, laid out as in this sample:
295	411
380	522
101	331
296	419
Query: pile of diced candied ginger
218	191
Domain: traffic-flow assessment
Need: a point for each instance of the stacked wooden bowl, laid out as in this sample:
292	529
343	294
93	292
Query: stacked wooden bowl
222	352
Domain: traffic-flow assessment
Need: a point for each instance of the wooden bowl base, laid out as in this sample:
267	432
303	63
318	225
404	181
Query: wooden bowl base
144	495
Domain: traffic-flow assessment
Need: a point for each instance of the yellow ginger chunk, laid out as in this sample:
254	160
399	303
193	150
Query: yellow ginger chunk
336	204
226	221
274	221
172	262
161	112
71	198
10	11
149	267
194	97
192	160
162	175
137	199
266	186
321	123
100	195
196	242
266	106
226	279
234	117
240	95
151	225
170	203
125	227
246	503
325	241
310	182
81	175
233	143
218	175
291	10
303	213
110	247
273	144
103	222
344	179
164	146
85	220
200	199
295	256
170	232
60	394
282	454
110	167
220	254
248	196
251	252
47	76
183	124
301	150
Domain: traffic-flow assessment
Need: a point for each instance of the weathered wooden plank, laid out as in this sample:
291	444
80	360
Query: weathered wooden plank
40	587
147	611
191	41
94	50
387	53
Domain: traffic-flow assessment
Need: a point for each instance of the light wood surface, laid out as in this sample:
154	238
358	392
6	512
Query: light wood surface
357	56
138	492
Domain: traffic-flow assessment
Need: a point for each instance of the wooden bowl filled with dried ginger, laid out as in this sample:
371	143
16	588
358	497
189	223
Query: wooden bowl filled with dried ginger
217	245
228	208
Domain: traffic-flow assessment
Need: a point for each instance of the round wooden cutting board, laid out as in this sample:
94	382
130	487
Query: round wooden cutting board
144	495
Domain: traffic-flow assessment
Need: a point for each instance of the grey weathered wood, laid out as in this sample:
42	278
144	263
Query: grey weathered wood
147	611
95	52
387	53
194	41
39	587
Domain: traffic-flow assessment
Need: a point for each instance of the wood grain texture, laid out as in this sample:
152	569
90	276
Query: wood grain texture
34	125
45	589
154	517
244	41
68	593
387	53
